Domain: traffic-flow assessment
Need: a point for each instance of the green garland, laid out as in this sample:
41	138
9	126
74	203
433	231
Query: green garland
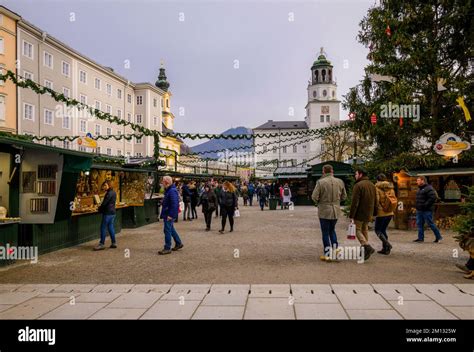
61	98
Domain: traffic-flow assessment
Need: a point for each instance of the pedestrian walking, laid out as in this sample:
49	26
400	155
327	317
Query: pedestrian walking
208	202
228	203
107	209
169	212
425	201
386	205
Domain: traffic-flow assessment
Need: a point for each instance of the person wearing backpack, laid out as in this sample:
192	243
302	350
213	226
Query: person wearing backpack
286	196
386	205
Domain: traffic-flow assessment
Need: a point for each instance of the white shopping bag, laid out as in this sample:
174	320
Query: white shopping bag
351	231
237	213
291	206
181	206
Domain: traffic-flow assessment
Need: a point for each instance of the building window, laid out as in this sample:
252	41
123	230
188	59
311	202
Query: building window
83	126
167	103
284	149
66	144
28	112
48	84
129	98
154	103
129	117
98	130
139	119
98	150
109	151
48	60
139	100
48	117
315	94
66	92
2	46
2	71
83	99
138	140
97	83
264	148
83	76
274	150
155	120
293	162
119	152
305	161
2	108
27	49
108	88
323	147
161	102
65	68
66	122
109	131
98	105
295	149
321	118
82	148
119	133
119	113
138	154
27	75
48	143
119	93
328	118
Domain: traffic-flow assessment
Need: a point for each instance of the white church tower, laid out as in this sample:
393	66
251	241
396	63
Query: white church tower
323	106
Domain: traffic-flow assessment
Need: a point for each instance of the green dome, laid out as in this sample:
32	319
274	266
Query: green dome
321	61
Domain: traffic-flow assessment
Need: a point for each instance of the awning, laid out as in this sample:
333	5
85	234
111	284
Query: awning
441	172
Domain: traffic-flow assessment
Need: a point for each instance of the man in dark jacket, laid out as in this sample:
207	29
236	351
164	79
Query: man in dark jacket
363	208
217	191
169	213
425	200
107	208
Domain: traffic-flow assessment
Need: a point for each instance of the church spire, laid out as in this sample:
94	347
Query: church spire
162	83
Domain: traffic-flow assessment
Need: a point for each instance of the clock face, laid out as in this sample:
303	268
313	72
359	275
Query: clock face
325	93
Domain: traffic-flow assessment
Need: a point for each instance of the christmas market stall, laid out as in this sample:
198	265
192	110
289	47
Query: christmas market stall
343	171
297	180
449	183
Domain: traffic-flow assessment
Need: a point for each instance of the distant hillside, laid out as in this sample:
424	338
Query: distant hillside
218	144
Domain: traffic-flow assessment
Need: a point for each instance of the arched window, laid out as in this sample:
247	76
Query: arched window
323	75
316	76
330	75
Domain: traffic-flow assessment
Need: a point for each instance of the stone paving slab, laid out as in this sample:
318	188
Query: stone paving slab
151	288
222	288
269	308
219	312
43	288
362	301
465	313
171	310
33	308
270	291
135	300
320	311
5	307
468	288
359	289
225	299
186	293
74	311
81	288
394	292
16	297
436	288
96	297
373	314
122	288
118	313
421	310
457	299
311	289
9	287
313	294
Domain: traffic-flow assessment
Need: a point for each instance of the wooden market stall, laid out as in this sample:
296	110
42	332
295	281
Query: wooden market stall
449	184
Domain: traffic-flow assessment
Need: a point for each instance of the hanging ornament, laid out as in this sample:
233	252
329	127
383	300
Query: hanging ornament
401	121
352	116
388	31
373	119
467	114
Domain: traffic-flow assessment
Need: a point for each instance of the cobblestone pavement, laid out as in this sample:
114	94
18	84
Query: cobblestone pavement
279	301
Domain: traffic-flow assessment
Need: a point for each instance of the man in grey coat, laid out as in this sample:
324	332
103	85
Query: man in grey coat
327	195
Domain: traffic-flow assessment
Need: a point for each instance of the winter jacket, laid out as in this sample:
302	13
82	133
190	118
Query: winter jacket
194	195
228	199
425	198
262	193
286	199
170	203
364	200
328	194
382	188
208	201
186	194
251	190
107	207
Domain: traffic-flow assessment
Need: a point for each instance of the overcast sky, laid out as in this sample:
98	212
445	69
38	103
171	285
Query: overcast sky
274	53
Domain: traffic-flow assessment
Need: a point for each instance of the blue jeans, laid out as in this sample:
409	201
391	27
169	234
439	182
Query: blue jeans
262	203
421	218
107	223
328	229
170	231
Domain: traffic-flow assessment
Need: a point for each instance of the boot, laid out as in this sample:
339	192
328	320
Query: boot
387	247
368	251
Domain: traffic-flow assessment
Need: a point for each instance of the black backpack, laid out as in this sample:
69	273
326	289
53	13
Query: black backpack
286	191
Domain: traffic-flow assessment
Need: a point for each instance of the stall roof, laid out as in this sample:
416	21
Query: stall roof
440	172
291	172
340	169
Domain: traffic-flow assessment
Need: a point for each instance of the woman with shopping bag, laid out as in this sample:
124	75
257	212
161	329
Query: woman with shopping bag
229	203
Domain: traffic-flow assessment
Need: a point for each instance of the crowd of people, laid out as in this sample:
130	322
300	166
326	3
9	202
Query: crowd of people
368	201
